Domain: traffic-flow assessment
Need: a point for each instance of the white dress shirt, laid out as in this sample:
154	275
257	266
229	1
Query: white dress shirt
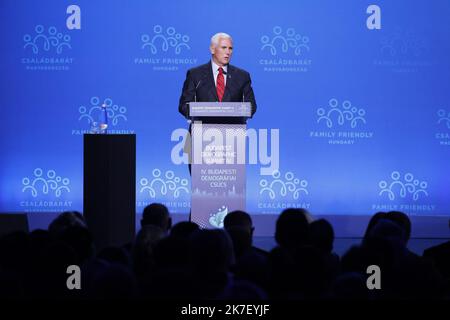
215	70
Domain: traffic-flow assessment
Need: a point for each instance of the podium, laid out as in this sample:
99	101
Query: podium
109	188
218	157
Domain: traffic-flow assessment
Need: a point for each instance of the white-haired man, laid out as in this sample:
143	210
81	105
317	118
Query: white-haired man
217	80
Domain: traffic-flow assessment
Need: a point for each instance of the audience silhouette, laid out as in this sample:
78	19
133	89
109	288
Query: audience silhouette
186	262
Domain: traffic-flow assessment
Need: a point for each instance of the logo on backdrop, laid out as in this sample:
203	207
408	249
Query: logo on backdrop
164	186
89	116
444	117
402	51
216	219
399	186
282	191
162	41
47	49
404	192
443	124
165	49
285	51
46	191
341	123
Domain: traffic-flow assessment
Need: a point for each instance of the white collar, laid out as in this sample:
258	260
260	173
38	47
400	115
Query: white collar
215	67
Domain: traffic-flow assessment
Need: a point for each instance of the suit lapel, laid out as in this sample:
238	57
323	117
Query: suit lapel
228	85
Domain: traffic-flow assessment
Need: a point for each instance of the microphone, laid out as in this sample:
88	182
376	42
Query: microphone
195	94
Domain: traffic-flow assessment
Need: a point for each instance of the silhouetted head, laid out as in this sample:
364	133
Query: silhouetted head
65	220
239	218
292	228
184	229
373	221
388	230
321	235
158	215
402	220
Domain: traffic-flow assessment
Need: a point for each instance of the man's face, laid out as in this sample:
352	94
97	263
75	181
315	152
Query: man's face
222	52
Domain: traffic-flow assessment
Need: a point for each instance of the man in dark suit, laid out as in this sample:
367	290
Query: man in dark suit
217	80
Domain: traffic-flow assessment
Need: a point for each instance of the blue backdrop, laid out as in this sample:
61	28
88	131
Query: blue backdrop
363	114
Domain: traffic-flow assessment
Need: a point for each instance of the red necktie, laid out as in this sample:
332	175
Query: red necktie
220	87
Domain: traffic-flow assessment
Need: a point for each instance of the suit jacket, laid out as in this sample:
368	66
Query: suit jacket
199	85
